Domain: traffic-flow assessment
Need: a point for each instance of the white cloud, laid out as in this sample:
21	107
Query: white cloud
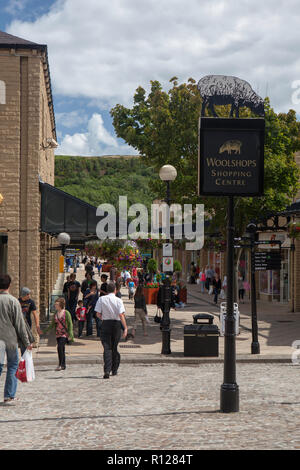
106	49
95	141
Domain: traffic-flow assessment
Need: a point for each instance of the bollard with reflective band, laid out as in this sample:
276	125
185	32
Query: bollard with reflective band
61	264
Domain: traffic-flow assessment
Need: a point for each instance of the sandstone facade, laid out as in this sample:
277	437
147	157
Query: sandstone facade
26	122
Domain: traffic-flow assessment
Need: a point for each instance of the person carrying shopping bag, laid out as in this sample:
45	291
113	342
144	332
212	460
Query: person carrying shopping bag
63	325
12	330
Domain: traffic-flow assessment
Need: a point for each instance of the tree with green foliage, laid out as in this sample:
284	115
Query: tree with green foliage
163	128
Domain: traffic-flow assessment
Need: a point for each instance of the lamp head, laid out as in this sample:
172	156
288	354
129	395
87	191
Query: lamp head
64	238
167	173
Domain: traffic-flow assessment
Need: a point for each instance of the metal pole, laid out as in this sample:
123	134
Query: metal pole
166	303
168	193
165	321
229	388
255	348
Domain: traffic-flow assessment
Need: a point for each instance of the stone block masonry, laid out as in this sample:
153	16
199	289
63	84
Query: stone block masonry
25	125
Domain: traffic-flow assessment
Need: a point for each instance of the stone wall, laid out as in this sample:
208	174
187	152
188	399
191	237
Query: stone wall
25	125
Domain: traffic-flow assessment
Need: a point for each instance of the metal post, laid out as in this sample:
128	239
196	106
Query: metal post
166	303
168	193
165	321
255	348
229	388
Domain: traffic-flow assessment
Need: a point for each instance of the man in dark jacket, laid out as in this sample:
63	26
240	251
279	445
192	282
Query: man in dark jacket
12	330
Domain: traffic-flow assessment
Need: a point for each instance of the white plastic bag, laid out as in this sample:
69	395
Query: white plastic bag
222	294
27	357
211	289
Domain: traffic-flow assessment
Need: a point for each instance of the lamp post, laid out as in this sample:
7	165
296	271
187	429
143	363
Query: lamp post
64	240
167	173
255	347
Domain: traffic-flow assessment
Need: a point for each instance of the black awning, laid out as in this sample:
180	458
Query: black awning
61	212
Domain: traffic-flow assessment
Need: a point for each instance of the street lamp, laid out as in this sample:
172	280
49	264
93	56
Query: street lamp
255	347
64	240
167	173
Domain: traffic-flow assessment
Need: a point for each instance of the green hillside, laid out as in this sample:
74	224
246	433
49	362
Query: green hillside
103	179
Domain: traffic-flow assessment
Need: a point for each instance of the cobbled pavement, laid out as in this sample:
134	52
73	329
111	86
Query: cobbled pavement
167	407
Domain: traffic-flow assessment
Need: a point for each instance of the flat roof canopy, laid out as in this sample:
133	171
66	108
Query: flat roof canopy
61	212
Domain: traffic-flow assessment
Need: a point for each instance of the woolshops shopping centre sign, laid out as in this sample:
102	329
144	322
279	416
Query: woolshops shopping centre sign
231	156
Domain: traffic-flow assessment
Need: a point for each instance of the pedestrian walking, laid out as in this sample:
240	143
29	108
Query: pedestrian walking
118	289
140	310
103	287
72	296
217	287
99	267
90	299
12	330
241	287
202	278
63	325
112	273
130	289
81	317
29	308
193	273
110	310
86	283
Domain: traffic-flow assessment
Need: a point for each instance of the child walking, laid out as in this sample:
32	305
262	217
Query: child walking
130	289
62	322
81	317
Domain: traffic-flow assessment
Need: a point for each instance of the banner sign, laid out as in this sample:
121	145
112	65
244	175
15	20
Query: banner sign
231	156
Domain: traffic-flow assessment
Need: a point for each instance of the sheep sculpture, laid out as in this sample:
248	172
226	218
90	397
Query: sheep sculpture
223	90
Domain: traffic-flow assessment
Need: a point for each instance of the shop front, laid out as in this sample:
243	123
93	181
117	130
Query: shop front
274	286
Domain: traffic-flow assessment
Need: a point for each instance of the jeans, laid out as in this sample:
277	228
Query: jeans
202	284
80	328
11	381
216	292
110	337
89	323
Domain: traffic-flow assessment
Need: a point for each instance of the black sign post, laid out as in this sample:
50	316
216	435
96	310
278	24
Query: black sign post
231	163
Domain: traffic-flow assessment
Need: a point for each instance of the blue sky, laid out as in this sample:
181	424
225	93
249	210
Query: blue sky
100	52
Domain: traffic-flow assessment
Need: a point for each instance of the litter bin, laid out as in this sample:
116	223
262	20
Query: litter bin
201	339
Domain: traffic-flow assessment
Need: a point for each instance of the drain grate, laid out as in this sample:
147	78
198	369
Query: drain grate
285	321
129	346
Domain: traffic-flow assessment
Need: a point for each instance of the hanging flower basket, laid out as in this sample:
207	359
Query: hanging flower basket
294	230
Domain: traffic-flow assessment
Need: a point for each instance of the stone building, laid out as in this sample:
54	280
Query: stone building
27	138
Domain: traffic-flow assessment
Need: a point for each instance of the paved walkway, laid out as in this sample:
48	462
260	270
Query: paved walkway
154	407
278	329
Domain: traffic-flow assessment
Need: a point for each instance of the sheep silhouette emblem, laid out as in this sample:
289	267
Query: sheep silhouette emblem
231	146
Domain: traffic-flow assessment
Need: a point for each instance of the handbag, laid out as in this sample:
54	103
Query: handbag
157	317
